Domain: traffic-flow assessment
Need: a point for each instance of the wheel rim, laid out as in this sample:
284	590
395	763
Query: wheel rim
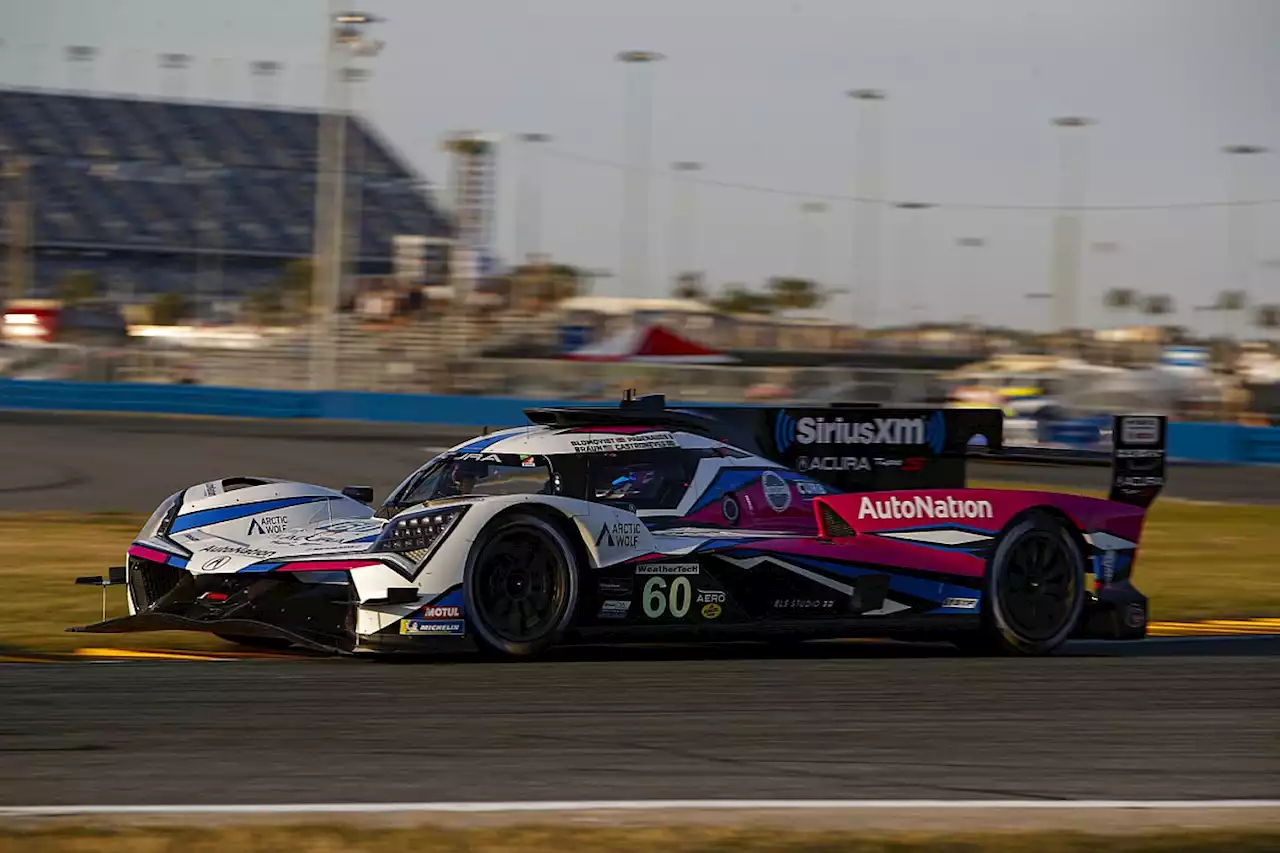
520	585
1038	585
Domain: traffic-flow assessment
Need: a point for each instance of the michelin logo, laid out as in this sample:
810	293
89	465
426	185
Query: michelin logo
923	507
931	431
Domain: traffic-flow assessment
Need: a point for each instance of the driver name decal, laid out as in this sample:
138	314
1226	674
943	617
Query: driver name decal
923	507
606	443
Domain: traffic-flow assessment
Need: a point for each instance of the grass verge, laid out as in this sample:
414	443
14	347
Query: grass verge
550	839
1198	561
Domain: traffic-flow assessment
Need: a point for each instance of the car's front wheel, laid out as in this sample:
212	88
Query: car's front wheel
1034	589
521	585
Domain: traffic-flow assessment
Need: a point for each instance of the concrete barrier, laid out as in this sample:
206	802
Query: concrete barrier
1227	444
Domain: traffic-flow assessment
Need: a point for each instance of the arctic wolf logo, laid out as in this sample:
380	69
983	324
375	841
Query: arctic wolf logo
789	431
619	535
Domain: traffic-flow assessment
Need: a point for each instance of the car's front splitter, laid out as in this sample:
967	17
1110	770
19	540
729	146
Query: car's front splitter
144	622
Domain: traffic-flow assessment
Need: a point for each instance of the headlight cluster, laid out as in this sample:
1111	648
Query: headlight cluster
162	519
418	533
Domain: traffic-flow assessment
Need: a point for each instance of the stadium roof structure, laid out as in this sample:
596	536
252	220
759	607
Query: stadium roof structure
134	175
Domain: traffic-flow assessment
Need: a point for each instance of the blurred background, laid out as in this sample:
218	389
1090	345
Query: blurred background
1065	211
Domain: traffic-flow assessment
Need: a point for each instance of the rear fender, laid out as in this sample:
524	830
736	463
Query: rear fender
953	530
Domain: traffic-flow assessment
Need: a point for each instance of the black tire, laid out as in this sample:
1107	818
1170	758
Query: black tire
256	642
1034	589
521	585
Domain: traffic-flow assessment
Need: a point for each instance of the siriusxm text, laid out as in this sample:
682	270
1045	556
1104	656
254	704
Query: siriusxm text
876	431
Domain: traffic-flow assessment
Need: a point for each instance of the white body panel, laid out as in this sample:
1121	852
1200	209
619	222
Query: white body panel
283	526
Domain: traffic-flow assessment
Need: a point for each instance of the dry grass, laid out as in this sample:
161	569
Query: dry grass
1198	561
552	839
41	555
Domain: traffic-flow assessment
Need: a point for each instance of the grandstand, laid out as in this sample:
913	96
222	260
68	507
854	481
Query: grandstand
149	194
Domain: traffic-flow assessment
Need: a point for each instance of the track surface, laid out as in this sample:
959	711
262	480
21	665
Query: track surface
1172	720
1160	720
129	463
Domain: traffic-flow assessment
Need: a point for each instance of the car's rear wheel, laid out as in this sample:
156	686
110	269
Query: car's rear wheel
1034	589
521	585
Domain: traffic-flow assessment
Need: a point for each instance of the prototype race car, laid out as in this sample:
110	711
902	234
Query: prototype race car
646	522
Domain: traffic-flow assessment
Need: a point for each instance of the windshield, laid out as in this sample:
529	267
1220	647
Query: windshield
487	475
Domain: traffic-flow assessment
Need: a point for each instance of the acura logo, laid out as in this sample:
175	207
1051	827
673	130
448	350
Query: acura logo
215	564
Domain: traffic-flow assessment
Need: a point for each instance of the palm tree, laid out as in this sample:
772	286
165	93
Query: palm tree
737	299
546	283
80	285
689	285
296	294
1230	302
1157	304
169	309
1267	317
790	292
1121	300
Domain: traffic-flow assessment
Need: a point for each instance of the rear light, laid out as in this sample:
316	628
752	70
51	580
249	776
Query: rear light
214	597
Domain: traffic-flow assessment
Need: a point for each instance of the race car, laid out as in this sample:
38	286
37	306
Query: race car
651	522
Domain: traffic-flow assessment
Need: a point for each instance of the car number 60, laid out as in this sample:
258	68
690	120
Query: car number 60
677	598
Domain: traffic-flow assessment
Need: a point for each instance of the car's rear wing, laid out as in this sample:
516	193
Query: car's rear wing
863	448
850	447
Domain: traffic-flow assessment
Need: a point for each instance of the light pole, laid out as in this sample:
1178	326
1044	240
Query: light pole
351	80
868	186
913	260
1064	269
635	202
265	74
809	254
1041	297
1241	222
15	208
345	38
974	267
173	79
80	59
683	218
529	197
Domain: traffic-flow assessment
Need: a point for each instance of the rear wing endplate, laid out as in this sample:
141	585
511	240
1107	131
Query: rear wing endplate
1138	447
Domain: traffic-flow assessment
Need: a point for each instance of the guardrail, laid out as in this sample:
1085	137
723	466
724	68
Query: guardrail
1191	442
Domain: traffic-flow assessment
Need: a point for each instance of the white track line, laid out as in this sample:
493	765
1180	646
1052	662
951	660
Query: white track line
631	805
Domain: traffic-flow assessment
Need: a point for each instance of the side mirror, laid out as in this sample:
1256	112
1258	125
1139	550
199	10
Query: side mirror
364	494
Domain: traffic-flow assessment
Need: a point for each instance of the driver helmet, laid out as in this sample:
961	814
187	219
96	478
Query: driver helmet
466	472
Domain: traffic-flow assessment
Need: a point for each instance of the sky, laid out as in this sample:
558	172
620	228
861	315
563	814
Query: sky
755	90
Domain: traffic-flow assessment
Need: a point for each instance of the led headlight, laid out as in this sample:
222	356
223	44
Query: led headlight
418	533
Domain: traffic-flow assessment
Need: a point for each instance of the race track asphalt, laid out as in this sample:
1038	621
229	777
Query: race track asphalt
1171	720
115	463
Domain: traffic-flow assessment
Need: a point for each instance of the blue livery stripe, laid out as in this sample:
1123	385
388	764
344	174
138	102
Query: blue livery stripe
260	567
728	480
922	588
483	443
203	517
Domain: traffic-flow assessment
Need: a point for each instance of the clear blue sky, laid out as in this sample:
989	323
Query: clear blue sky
754	89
